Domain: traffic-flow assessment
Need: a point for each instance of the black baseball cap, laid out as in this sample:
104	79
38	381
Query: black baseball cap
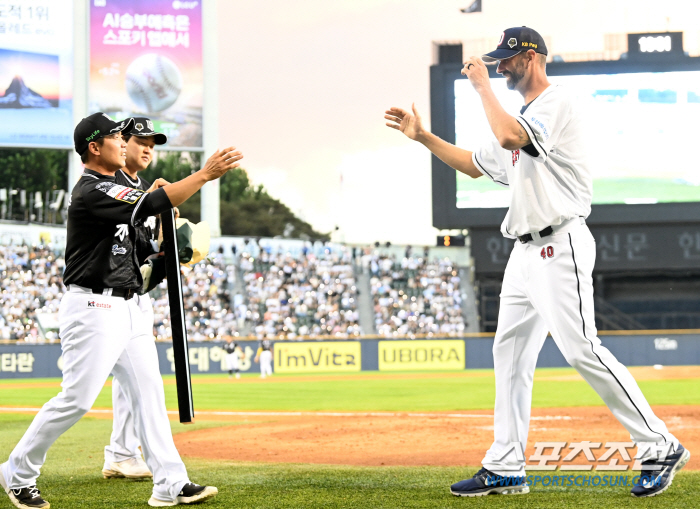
98	125
516	40
144	127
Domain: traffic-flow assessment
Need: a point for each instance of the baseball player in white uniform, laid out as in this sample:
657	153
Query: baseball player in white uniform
123	455
101	326
264	356
541	155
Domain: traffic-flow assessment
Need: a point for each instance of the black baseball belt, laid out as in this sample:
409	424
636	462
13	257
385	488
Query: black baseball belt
125	293
546	232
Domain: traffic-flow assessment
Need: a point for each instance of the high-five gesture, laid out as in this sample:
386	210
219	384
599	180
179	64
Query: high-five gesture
216	166
220	162
409	124
412	126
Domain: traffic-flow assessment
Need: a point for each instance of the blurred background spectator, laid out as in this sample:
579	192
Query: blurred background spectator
263	290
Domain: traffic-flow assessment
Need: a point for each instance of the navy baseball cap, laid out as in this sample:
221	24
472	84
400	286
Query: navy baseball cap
516	40
98	125
144	127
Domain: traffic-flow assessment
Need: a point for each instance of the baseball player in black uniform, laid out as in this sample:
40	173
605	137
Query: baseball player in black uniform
540	154
122	455
101	326
234	354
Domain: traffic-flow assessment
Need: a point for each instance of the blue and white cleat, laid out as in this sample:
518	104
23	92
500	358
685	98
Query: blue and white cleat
654	481
486	482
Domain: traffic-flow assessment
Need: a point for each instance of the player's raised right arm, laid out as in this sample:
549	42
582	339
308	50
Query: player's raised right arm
412	126
216	166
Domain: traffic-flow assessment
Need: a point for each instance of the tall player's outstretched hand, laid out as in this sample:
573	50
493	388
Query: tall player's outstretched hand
409	124
220	162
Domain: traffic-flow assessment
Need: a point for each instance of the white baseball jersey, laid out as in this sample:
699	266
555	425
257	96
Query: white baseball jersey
548	284
550	180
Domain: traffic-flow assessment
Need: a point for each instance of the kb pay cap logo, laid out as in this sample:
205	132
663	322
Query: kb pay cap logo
512	42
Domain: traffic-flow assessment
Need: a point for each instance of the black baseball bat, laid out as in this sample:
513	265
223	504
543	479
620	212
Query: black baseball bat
181	354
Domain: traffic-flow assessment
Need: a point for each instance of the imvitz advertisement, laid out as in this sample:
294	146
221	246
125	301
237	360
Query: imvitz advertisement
421	355
325	356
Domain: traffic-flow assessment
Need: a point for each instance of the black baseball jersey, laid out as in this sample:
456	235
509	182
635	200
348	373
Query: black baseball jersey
265	344
102	216
230	347
148	231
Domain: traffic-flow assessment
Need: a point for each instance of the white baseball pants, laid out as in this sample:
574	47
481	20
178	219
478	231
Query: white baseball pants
123	443
102	334
265	363
232	361
548	287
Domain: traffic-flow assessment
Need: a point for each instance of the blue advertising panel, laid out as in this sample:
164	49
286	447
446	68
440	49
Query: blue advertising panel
36	73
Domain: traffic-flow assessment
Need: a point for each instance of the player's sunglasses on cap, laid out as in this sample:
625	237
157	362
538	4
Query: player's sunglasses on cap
144	127
516	40
96	126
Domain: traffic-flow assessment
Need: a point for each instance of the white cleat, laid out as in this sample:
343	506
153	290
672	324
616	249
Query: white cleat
133	468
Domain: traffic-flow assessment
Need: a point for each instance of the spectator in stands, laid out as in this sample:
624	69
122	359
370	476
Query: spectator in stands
31	286
416	296
302	296
309	293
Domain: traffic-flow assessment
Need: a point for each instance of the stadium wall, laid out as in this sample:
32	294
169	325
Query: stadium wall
344	356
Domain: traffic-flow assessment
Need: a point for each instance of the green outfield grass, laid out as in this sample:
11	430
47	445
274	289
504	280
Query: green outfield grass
71	476
71	479
370	392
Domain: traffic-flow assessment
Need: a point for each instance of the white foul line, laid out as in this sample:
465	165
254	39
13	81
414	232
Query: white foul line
315	414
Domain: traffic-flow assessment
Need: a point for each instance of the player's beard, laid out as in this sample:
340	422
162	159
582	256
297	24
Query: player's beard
514	76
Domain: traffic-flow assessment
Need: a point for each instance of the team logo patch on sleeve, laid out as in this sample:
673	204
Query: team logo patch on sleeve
105	186
130	195
121	193
540	129
115	190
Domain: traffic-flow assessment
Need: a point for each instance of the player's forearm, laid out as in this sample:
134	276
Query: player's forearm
180	191
508	131
453	156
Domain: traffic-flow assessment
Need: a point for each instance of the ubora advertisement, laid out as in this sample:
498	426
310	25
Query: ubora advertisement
412	355
146	60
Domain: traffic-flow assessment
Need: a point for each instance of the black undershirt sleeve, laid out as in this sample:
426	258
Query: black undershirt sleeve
153	203
530	150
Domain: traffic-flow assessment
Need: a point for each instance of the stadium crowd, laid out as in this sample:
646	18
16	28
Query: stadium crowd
207	302
415	295
308	292
299	296
31	286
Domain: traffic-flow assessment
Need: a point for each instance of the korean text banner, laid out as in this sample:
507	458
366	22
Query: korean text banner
146	61
36	73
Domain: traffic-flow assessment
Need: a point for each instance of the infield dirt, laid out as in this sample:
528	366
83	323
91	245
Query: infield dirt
435	439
